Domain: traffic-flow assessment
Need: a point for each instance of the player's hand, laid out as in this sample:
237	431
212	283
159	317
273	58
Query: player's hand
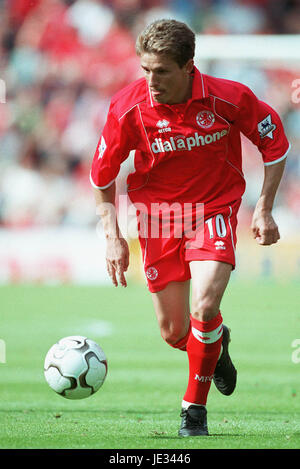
264	228
117	260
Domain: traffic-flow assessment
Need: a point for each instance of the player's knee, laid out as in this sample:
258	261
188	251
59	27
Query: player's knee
206	307
171	334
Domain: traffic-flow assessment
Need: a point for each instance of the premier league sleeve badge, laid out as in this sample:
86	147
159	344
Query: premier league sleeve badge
266	127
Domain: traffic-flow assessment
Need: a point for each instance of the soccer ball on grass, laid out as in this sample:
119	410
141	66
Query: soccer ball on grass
75	367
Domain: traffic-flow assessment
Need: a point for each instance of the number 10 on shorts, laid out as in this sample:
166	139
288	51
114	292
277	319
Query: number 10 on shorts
216	226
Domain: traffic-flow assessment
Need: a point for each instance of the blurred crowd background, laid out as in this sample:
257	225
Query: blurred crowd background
61	61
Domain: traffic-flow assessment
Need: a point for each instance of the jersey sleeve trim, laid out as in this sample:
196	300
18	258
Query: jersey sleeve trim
270	163
100	187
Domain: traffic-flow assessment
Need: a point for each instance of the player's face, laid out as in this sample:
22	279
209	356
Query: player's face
168	83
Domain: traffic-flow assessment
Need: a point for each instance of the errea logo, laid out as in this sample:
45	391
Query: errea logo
162	123
220	245
163	126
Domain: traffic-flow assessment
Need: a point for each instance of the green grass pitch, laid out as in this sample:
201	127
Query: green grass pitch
139	403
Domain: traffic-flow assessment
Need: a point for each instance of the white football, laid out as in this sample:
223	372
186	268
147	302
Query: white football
75	367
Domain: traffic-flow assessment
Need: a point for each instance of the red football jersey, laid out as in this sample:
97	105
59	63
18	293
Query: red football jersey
189	152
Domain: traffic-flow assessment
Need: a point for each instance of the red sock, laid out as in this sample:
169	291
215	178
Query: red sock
203	349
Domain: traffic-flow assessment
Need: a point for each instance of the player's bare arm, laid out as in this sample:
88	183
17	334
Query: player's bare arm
264	227
117	251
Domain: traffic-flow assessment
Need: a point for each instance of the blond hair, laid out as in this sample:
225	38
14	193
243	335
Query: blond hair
167	37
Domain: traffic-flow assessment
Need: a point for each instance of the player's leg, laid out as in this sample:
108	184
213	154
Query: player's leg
172	309
209	281
168	278
215	259
206	306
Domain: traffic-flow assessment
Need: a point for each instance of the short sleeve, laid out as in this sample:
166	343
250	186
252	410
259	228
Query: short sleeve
262	125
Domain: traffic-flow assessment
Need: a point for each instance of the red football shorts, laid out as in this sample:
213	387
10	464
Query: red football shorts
167	254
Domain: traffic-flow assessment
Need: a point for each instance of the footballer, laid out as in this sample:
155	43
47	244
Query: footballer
185	128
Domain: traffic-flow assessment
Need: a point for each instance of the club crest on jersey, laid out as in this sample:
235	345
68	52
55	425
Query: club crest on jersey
205	119
152	273
266	127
